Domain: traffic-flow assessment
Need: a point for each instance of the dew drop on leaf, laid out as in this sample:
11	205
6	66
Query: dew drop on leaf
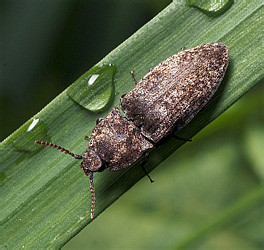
94	90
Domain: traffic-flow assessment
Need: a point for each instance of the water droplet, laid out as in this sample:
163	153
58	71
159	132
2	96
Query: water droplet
211	7
33	130
94	90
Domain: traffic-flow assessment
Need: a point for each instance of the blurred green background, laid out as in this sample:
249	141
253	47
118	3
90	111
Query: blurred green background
210	183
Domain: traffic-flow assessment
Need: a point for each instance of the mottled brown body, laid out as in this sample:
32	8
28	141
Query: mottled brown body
165	99
171	94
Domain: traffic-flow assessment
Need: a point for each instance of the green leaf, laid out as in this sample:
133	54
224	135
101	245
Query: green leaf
46	196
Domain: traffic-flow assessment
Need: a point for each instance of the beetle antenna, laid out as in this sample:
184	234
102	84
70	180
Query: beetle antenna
93	194
59	148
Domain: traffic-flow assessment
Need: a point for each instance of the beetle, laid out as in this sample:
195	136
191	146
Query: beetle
165	100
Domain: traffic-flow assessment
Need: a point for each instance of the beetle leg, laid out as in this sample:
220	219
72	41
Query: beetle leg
134	78
180	138
143	163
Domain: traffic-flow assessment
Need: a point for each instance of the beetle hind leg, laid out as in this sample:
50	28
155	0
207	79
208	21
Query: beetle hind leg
143	163
180	138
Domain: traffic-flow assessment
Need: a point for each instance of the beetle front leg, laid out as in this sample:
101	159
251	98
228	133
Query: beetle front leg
134	78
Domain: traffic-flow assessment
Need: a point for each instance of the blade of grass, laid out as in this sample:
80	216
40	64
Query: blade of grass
46	198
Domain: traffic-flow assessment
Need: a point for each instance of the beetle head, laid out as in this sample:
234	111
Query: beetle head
91	161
